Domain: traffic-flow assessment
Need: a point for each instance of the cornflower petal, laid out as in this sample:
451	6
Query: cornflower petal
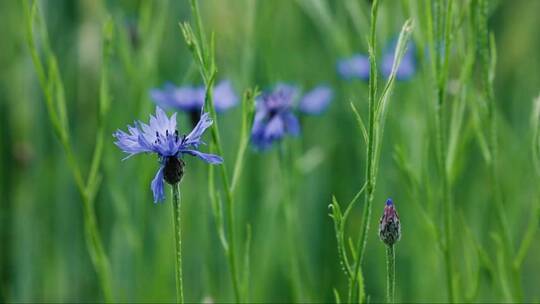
355	67
316	100
209	158
194	137
224	96
158	185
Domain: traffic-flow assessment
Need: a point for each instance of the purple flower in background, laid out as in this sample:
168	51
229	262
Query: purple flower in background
355	67
224	96
316	101
407	67
389	226
275	117
191	99
161	137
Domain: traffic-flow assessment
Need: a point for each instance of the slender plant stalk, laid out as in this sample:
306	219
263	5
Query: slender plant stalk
230	252
440	31
390	273
370	183
203	53
488	60
286	165
53	89
178	241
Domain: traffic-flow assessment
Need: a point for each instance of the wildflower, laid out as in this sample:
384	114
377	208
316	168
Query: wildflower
407	66
316	101
191	99
275	117
355	67
389	227
161	136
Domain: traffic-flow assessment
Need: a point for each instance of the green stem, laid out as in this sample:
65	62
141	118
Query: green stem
370	182
442	33
204	54
446	201
231	252
178	241
96	250
290	217
390	273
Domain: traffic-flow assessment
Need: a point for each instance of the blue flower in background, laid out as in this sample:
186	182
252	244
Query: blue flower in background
191	99
275	117
355	67
407	67
161	136
316	101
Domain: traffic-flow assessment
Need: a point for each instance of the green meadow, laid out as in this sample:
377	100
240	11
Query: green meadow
293	213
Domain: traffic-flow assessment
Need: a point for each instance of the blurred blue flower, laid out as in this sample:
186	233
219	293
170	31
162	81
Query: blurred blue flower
355	67
191	99
161	136
407	67
274	115
316	101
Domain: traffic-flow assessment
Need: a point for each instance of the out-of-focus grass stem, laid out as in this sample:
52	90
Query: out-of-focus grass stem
488	58
286	163
204	55
53	89
440	22
370	186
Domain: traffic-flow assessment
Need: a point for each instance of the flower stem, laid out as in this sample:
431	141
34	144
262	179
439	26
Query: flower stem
370	181
390	273
96	250
287	168
178	241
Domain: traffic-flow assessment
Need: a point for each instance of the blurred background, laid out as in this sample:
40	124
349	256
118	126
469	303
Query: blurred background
258	43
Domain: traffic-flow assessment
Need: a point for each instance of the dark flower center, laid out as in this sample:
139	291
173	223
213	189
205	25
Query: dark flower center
272	113
173	170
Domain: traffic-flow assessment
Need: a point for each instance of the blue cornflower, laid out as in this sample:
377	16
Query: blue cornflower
161	136
316	101
191	99
275	117
357	66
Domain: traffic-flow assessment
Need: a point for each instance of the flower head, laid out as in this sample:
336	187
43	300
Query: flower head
389	227
316	101
275	117
355	67
191	99
161	137
407	66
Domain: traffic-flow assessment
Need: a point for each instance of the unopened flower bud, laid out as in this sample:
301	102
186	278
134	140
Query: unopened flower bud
389	227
